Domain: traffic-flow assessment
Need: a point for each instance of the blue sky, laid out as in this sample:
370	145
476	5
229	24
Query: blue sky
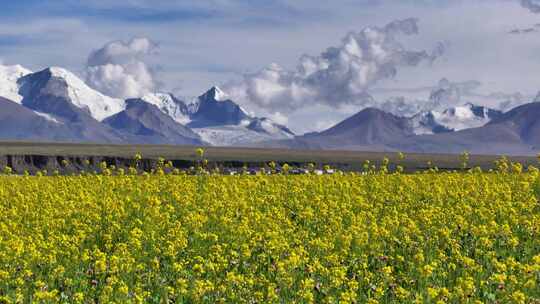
207	42
270	12
90	24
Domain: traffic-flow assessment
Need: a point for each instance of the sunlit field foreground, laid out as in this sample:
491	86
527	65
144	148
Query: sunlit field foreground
377	238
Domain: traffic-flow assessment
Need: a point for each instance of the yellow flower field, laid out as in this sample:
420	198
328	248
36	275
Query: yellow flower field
378	238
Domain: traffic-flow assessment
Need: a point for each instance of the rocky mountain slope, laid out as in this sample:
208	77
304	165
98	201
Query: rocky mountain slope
21	123
148	124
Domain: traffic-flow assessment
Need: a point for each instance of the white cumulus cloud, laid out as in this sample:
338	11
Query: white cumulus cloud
280	118
338	76
118	69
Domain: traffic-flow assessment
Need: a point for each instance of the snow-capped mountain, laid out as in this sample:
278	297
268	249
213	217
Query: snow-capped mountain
266	125
217	119
9	74
60	97
453	119
222	122
170	105
213	108
47	90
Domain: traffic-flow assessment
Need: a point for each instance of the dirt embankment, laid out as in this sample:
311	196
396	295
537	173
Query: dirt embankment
66	164
75	164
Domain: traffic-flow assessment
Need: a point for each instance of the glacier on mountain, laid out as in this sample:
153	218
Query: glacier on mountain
82	96
453	119
169	105
9	74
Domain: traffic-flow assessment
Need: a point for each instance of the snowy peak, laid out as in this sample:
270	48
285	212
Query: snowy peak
213	109
217	119
9	74
222	122
471	110
63	73
453	119
169	105
60	85
215	94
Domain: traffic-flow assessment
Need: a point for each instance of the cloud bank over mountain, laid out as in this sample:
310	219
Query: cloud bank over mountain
443	95
338	76
118	69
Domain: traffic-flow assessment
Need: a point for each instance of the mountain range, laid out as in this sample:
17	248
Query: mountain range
71	111
56	105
